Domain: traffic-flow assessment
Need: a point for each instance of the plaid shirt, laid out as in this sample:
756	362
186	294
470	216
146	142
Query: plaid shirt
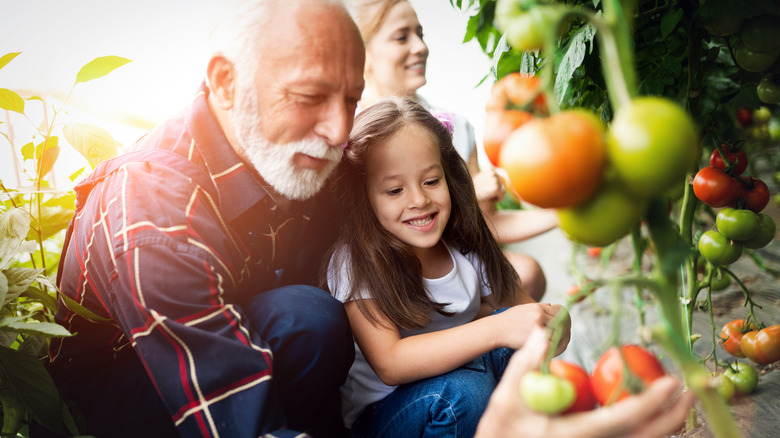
166	249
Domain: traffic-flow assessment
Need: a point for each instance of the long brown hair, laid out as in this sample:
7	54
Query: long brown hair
380	262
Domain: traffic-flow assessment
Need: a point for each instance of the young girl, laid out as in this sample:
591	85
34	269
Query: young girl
420	275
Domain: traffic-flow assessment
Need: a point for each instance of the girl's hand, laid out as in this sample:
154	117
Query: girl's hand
658	411
489	187
517	322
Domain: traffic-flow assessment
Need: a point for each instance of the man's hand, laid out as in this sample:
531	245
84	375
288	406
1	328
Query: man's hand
656	412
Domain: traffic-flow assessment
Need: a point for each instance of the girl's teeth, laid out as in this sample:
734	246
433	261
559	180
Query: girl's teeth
420	222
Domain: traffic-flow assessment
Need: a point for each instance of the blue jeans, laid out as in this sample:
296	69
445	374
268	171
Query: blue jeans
449	405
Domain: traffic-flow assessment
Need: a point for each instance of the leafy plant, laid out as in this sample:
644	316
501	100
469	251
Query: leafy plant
32	218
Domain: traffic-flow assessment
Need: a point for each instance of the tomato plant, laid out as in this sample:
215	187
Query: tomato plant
556	162
717	249
652	144
744	377
716	188
738	161
603	219
547	393
609	382
737	224
762	346
584	400
731	336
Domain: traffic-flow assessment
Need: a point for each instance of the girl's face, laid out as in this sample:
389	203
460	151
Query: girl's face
396	55
407	189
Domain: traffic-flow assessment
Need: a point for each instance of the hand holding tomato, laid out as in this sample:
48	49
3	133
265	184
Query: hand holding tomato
650	412
584	399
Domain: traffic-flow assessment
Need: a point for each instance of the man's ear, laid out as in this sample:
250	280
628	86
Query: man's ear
222	81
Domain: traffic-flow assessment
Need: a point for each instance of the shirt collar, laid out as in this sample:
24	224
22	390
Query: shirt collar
237	187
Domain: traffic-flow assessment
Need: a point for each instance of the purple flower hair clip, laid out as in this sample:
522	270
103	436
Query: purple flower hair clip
445	118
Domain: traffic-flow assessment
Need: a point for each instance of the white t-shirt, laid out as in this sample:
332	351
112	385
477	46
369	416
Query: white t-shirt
462	288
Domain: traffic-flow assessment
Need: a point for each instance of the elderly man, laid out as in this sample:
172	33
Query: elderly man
194	252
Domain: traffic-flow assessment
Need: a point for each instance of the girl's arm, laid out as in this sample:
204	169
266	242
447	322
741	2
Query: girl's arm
399	360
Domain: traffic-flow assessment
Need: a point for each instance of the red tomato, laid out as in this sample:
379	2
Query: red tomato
498	125
744	117
556	162
575	374
715	188
607	376
738	160
594	251
731	334
756	194
762	346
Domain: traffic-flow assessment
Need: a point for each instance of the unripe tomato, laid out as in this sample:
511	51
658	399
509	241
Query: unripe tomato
716	188
719	281
584	400
652	144
762	346
766	233
526	28
744	377
768	91
557	162
761	115
731	336
756	194
738	160
498	126
717	249
547	393
607	379
603	219
752	60
724	386
737	224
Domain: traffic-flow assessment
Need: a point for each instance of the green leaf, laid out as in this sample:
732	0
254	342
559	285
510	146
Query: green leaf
99	67
32	384
14	225
670	20
19	279
573	56
8	57
48	158
36	328
92	142
47	300
28	151
11	101
80	310
3	287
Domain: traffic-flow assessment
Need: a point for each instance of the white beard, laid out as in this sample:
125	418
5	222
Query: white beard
274	162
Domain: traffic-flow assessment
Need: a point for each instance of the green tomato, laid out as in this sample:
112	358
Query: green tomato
526	28
547	393
744	377
606	217
717	249
765	234
724	386
753	61
737	224
773	126
761	33
768	91
720	281
652	144
761	114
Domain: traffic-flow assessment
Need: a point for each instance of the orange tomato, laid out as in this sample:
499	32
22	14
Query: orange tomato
556	162
498	126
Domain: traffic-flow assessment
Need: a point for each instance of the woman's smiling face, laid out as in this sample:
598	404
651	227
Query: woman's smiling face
396	55
407	188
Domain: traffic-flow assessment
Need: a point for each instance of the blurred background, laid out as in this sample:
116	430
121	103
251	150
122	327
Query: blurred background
167	42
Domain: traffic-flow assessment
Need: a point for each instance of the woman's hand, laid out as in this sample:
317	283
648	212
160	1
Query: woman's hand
658	411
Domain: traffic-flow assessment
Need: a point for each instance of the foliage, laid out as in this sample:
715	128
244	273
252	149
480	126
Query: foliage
32	219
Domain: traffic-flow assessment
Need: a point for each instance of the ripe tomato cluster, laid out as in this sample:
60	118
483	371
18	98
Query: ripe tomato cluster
740	223
760	346
596	177
568	388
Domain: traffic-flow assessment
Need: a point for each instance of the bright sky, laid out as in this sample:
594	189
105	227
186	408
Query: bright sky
166	39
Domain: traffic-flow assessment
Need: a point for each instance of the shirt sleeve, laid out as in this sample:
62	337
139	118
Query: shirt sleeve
175	295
